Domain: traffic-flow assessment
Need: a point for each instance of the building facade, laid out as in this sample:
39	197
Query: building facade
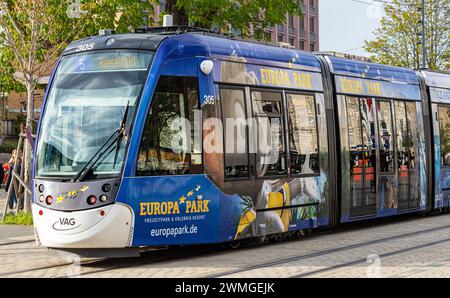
301	32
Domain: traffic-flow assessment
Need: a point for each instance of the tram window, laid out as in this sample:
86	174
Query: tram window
170	145
407	134
270	145
413	134
303	136
402	135
235	132
444	132
385	128
355	135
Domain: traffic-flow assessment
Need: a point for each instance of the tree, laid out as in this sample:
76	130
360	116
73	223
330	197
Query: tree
246	17
36	31
398	40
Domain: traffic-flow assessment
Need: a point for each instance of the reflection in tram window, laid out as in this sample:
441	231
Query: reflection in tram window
303	142
356	155
354	134
271	152
363	162
168	146
444	131
412	134
385	128
234	119
407	146
403	141
369	154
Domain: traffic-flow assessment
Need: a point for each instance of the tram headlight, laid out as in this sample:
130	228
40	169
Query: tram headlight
106	188
91	200
103	198
49	200
41	198
41	188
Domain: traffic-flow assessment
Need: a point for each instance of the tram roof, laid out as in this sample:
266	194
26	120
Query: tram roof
366	70
437	79
117	41
201	44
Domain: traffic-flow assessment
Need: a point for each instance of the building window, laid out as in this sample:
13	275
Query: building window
168	145
268	131
311	25
291	41
444	132
291	20
235	132
312	48
301	22
303	134
280	38
301	45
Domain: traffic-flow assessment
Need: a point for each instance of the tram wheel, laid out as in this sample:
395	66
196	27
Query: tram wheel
235	244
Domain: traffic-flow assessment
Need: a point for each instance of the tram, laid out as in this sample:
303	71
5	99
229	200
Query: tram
178	136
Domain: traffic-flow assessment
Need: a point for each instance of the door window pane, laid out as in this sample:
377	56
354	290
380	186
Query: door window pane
270	146
356	155
444	132
235	132
403	142
413	134
304	149
385	128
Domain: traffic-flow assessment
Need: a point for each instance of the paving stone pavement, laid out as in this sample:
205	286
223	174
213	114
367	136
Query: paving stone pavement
412	247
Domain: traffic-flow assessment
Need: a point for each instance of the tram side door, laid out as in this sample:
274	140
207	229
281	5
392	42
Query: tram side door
363	162
407	163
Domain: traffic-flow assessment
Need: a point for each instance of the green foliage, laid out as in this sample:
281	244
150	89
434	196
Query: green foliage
7	147
21	218
234	16
37	31
398	40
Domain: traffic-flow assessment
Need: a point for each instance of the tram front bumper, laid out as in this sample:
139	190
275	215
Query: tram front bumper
110	226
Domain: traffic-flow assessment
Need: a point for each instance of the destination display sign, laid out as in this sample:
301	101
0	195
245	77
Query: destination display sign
349	85
250	74
440	95
105	61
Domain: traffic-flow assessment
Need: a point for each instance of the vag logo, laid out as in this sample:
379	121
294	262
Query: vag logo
65	224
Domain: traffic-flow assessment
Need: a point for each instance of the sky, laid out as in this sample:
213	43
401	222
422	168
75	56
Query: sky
345	24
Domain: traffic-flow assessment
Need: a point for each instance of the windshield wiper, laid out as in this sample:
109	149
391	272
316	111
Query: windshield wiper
115	138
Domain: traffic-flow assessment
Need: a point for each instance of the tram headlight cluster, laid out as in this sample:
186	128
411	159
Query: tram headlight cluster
103	198
49	200
106	187
91	200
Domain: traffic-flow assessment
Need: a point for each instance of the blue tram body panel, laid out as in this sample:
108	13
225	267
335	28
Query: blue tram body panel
366	191
173	210
438	89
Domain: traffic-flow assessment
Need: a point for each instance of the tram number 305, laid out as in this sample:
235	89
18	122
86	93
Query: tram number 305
85	47
208	99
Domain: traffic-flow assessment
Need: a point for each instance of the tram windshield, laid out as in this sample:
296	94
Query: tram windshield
85	106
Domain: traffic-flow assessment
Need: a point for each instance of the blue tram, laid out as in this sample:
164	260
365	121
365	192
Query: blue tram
179	137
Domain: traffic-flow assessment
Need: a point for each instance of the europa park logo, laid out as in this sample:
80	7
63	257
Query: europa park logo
190	203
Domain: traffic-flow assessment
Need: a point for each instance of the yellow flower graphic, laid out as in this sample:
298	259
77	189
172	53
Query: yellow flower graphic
60	199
